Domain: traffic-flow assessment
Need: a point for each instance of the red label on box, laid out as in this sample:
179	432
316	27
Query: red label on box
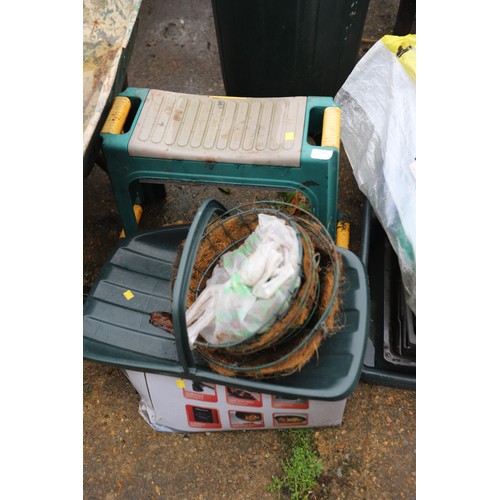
204	418
280	402
245	419
243	398
200	391
289	419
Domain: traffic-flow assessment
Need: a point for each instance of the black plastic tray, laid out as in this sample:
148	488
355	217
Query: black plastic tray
390	357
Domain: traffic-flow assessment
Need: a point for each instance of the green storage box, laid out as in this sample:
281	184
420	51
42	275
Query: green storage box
137	280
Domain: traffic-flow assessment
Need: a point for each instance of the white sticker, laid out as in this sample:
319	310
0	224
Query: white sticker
321	154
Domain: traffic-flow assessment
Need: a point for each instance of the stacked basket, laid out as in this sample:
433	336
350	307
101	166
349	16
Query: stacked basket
291	337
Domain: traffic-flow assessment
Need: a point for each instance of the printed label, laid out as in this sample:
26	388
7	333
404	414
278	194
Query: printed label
200	391
245	420
282	402
321	154
203	418
289	419
241	397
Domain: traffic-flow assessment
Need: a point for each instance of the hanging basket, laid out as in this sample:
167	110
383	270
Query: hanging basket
291	337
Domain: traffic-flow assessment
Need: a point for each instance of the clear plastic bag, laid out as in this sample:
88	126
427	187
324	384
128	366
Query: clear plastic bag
378	103
248	286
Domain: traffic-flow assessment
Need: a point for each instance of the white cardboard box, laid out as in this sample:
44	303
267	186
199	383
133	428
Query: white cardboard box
172	404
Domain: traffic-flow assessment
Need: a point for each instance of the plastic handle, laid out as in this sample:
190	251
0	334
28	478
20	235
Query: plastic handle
343	233
181	285
330	136
117	116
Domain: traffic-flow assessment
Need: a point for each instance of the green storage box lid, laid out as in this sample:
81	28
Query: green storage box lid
136	281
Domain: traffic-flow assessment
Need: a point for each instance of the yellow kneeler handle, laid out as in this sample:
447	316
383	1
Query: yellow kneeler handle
117	116
330	136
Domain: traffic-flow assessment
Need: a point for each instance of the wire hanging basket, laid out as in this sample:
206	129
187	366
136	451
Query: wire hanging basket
292	335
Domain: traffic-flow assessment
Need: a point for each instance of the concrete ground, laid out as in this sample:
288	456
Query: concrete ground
371	455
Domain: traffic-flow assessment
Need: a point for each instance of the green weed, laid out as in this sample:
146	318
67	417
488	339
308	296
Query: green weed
303	468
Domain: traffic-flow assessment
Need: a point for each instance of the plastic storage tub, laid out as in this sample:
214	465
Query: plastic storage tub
390	357
136	280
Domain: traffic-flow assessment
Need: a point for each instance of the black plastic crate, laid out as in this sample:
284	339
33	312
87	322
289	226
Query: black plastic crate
390	357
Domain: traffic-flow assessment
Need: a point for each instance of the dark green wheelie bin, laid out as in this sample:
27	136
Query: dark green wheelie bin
271	48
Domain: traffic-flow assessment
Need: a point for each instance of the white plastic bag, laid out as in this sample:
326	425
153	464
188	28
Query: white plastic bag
378	103
248	286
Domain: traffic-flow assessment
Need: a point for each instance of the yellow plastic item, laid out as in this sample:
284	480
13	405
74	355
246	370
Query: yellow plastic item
331	128
116	119
404	47
343	233
138	214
